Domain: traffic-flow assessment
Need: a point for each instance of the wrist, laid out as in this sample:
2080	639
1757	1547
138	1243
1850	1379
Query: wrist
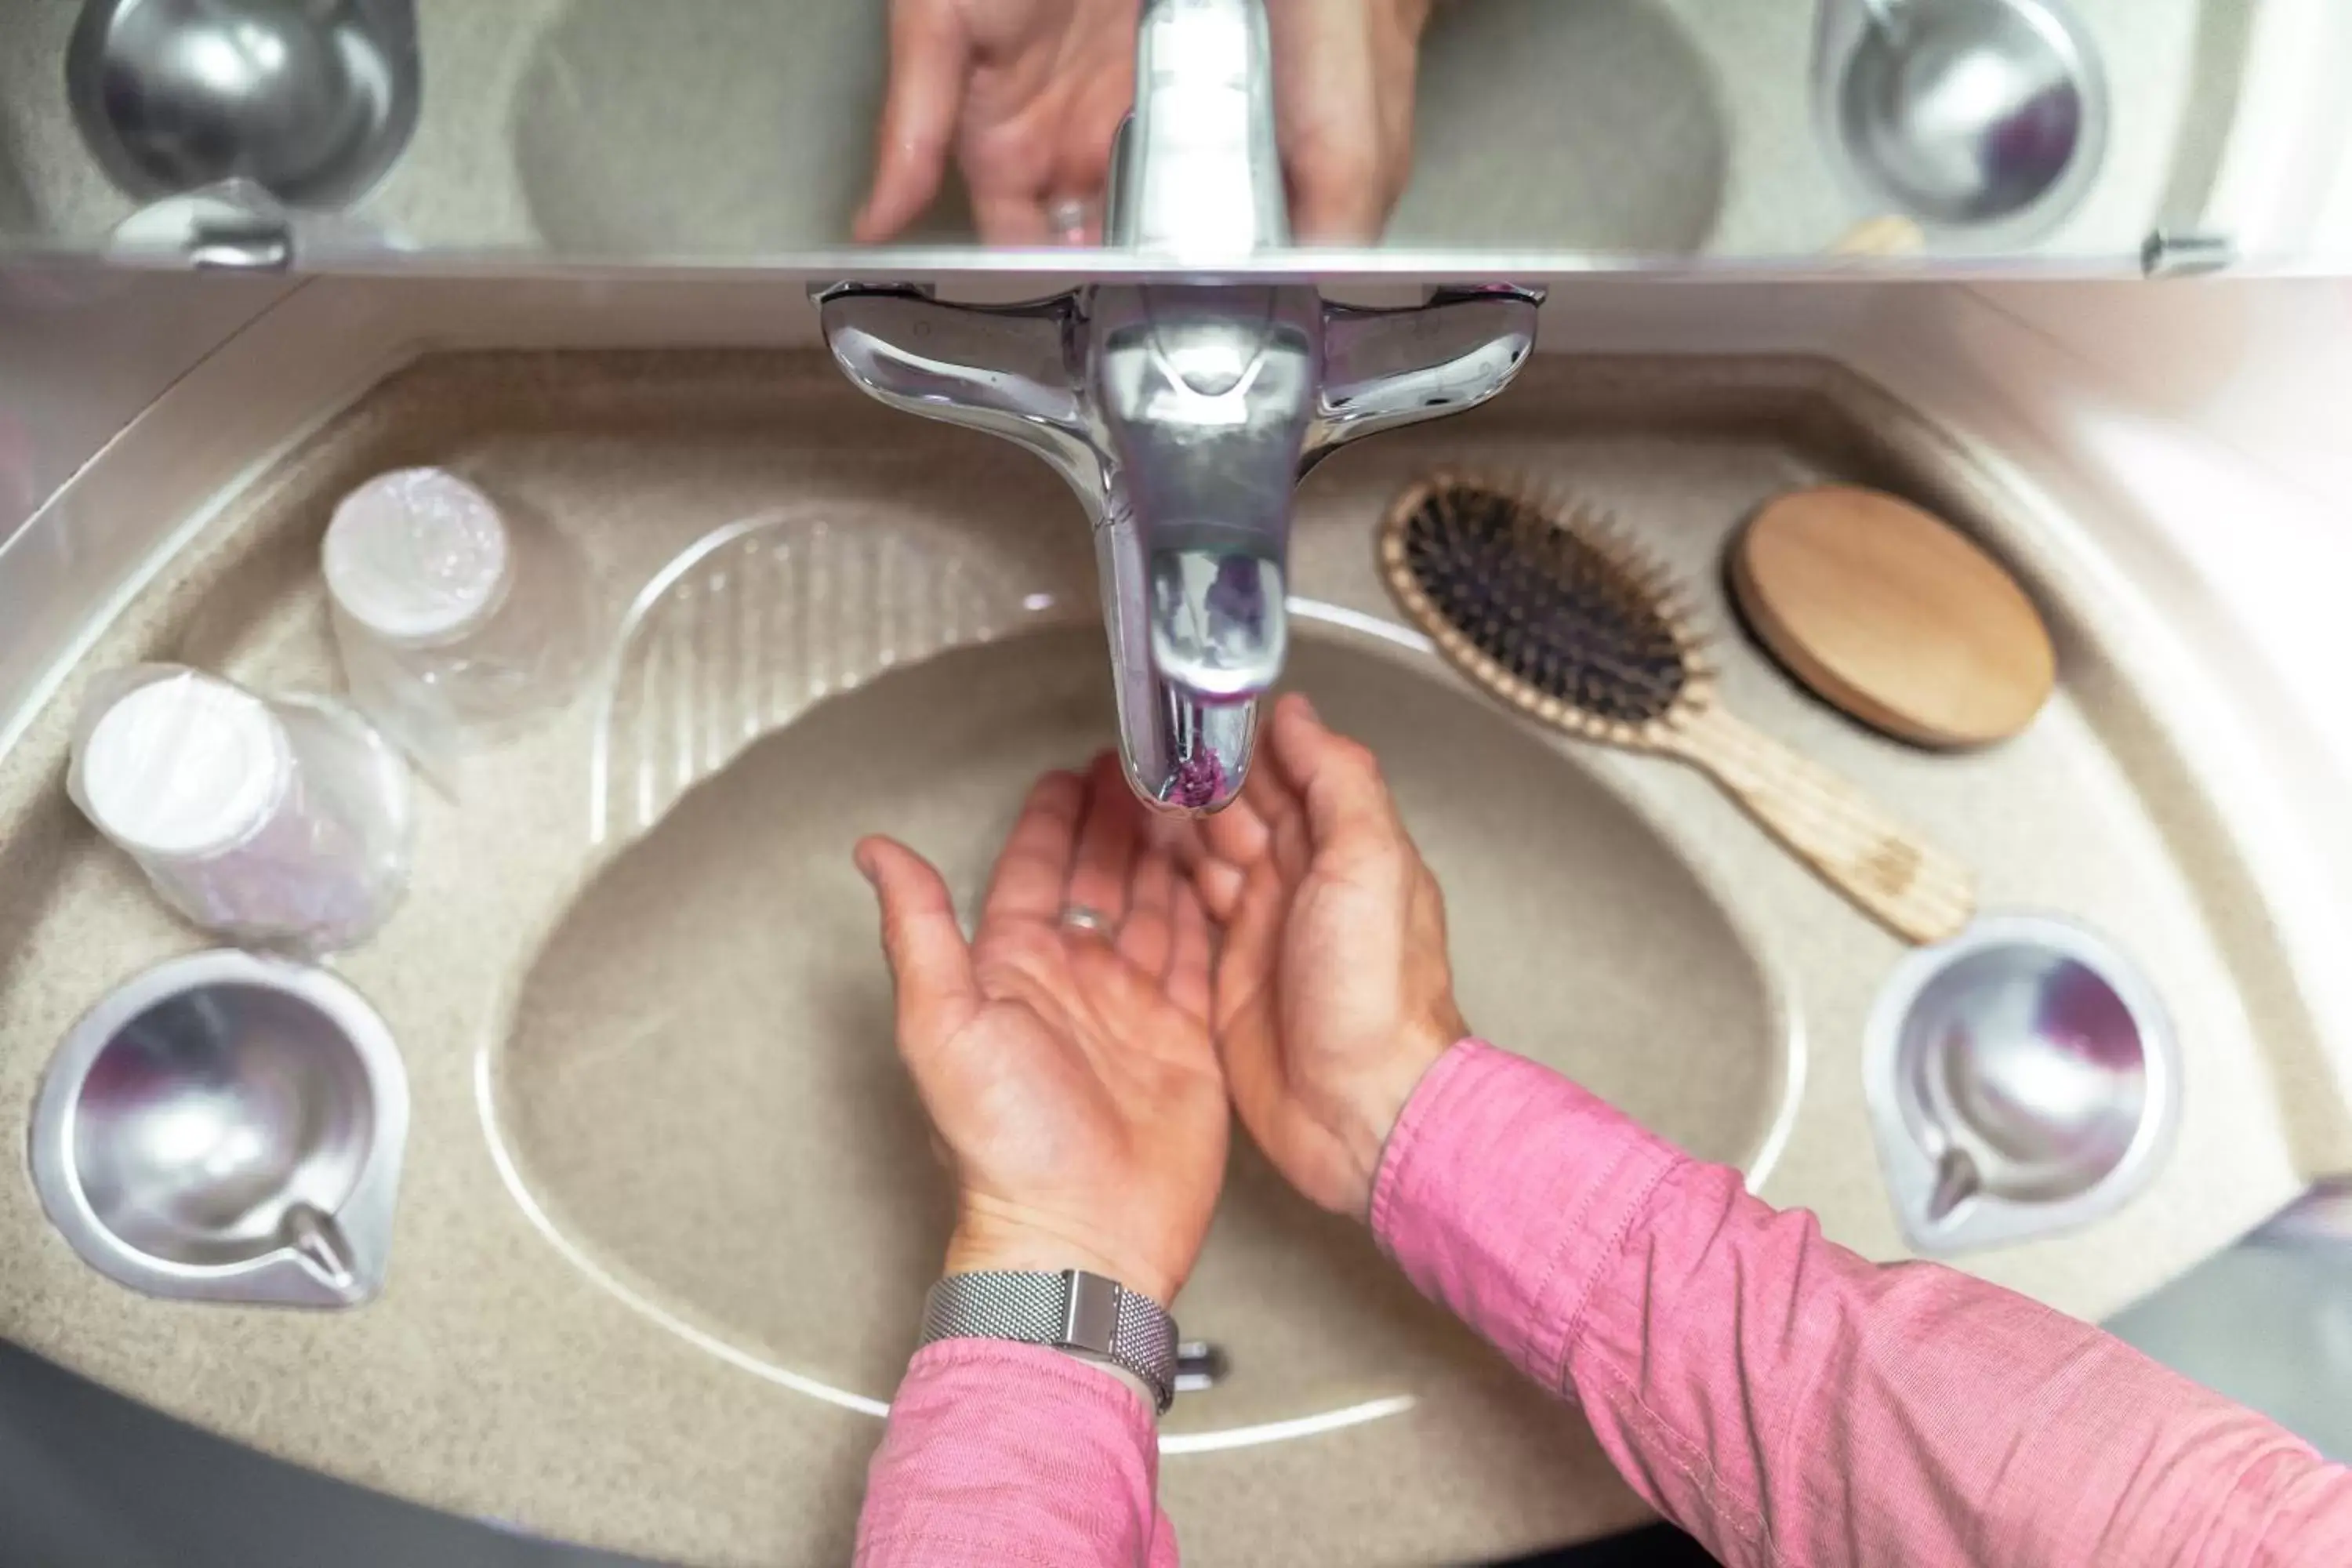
988	1239
1383	1093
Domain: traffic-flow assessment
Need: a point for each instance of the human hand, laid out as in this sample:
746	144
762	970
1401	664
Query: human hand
1333	990
1027	93
1344	73
1068	1073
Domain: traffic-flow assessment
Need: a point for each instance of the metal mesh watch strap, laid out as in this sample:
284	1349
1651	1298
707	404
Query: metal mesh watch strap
1072	1310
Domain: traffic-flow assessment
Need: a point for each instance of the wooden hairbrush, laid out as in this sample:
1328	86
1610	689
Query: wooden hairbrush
1548	608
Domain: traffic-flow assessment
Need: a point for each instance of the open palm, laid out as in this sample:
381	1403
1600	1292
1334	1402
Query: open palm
1067	1069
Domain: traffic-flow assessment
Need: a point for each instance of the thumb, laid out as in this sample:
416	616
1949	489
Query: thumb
930	961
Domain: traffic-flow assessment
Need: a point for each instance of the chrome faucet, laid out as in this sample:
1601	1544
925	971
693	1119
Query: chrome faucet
1183	414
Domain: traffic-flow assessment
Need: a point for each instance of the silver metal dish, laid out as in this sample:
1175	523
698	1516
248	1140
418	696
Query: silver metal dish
2022	1078
312	99
226	1126
1983	118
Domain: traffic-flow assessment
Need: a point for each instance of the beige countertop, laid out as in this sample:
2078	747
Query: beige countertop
542	1356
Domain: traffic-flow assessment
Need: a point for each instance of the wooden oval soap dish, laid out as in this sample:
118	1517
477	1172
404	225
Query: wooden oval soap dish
1891	615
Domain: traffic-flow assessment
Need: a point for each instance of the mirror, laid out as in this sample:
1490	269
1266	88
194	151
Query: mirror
1536	134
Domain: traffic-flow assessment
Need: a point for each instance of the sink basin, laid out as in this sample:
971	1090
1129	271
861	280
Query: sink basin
701	1093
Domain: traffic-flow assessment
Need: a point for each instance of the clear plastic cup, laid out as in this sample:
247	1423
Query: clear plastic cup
454	623
279	822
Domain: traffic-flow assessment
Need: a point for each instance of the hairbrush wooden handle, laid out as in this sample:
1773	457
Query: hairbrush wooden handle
1897	878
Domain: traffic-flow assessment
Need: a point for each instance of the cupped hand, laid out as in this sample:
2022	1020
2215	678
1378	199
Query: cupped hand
1344	76
1027	95
1333	989
1069	1072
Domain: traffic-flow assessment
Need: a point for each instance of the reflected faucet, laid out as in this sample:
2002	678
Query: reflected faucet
1183	414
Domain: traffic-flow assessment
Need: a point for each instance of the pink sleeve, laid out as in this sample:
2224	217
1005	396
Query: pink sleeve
1786	1402
1017	1454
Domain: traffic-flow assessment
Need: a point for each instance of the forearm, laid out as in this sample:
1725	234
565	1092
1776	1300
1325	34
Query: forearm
1002	1452
1787	1401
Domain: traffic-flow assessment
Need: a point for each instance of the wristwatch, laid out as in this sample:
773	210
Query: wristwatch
1071	1310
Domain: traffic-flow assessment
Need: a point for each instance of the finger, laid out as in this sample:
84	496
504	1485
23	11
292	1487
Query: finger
1346	803
1106	852
1011	216
1101	84
930	56
930	962
1187	954
1145	935
1278	806
1181	837
1328	105
1216	881
1238	835
1033	867
1338	197
1219	884
1253	933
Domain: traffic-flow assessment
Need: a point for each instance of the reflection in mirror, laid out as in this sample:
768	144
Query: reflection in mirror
1617	131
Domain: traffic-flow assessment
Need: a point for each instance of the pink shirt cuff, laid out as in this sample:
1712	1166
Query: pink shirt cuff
1012	1453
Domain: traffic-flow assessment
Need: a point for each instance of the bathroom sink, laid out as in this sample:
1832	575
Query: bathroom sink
668	1205
700	1089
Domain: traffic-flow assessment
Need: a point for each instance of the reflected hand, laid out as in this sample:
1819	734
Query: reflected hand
1027	94
1333	989
1069	1074
1343	97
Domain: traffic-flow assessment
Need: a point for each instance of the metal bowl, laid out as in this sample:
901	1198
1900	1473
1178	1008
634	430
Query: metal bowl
1969	115
228	1126
312	99
2022	1078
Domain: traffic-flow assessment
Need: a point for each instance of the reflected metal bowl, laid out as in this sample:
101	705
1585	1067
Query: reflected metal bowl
226	1126
312	99
2023	1078
1969	115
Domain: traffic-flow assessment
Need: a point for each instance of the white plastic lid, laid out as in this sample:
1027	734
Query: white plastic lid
184	766
417	556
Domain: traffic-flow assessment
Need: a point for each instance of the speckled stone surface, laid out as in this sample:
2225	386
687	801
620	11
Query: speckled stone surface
1653	127
605	1322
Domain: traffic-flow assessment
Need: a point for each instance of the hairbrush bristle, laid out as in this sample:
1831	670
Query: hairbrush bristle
1544	601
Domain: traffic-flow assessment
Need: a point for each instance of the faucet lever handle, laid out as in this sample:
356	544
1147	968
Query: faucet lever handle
1386	368
1000	364
1010	370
